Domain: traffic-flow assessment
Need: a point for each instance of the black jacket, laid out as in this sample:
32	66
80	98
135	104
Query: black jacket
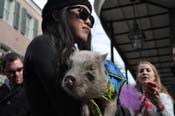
13	102
44	90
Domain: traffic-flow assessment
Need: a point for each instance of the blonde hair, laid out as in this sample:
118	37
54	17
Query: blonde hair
157	78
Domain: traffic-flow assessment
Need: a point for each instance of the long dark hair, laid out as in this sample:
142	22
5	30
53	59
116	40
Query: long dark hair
56	26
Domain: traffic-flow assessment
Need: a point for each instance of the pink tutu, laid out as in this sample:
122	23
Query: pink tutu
130	98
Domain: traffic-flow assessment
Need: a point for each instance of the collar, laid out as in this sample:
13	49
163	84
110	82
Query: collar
110	95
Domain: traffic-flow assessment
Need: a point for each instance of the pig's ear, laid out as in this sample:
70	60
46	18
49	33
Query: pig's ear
103	57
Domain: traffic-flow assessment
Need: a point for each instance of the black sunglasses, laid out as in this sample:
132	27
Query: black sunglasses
84	14
16	70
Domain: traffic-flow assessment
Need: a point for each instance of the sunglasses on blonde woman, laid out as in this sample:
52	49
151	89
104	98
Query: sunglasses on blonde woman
83	14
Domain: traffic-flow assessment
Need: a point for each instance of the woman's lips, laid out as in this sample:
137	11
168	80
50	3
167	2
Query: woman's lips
87	29
144	78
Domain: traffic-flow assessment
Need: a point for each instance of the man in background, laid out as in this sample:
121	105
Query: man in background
13	100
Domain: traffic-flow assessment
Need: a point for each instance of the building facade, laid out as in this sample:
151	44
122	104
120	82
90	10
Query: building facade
20	22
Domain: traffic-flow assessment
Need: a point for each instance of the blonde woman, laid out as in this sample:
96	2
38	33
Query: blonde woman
152	97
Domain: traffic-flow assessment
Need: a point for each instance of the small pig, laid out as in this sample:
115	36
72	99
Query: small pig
86	79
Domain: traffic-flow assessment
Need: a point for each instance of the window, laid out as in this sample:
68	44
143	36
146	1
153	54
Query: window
8	12
29	27
1	8
16	15
23	22
35	28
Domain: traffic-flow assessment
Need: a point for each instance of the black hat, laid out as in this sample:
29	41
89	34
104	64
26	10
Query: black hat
59	4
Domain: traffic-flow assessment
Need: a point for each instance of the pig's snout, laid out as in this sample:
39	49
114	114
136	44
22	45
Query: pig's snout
69	81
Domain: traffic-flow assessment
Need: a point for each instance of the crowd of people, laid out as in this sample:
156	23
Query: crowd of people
66	23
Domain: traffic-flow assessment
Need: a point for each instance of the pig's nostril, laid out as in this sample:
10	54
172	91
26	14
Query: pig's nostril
69	81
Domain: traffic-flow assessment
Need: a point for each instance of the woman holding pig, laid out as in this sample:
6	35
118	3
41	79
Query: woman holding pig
65	23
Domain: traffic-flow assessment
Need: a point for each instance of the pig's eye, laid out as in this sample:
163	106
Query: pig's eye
92	67
90	76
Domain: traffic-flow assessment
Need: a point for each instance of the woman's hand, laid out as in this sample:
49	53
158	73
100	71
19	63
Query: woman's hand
152	92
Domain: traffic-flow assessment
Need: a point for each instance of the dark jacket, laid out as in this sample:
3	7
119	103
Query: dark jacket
13	102
42	84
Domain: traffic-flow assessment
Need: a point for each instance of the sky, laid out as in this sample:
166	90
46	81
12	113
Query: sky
100	41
